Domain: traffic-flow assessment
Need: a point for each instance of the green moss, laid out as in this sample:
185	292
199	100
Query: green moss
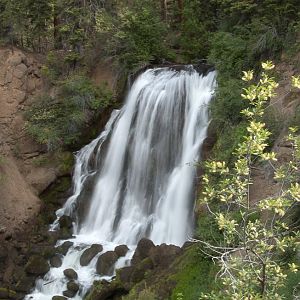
145	294
66	161
196	275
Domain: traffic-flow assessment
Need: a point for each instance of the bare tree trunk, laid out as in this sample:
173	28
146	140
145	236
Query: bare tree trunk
180	10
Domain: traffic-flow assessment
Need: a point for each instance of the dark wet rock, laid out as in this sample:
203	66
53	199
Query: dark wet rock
163	255
7	294
69	294
142	250
106	262
89	254
121	250
65	222
56	261
37	265
72	286
25	284
59	298
64	248
70	274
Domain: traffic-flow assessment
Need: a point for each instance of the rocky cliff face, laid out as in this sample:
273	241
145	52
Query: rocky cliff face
21	178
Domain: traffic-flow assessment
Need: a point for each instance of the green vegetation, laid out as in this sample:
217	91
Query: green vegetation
196	275
58	121
250	253
145	294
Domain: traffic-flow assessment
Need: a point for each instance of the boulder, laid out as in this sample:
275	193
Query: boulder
142	250
163	255
70	274
121	250
69	294
59	298
106	263
64	248
56	261
37	265
89	254
72	286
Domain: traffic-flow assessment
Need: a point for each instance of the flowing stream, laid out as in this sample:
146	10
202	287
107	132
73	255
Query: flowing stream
137	178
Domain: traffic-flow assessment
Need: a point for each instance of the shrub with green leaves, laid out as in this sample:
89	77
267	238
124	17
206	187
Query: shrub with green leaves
250	253
58	121
135	35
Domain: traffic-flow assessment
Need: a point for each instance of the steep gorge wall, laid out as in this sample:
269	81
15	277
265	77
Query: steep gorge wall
21	179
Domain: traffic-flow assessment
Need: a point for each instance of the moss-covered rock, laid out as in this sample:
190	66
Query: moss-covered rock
37	265
104	290
73	286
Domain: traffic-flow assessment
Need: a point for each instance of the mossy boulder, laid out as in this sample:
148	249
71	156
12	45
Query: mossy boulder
104	290
89	254
37	265
105	263
72	286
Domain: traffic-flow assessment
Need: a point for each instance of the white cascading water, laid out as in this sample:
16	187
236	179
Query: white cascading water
139	174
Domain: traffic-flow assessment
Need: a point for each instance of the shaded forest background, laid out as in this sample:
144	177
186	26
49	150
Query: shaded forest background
75	34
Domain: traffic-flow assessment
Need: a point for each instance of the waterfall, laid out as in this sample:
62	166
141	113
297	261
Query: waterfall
137	178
